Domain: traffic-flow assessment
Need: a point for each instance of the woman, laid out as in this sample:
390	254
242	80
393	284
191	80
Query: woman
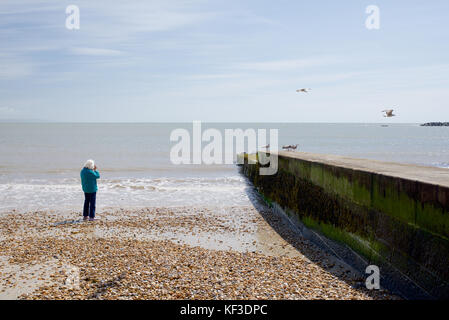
89	176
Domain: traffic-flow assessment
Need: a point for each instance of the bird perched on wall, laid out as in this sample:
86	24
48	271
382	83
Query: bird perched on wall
290	147
266	147
388	113
304	90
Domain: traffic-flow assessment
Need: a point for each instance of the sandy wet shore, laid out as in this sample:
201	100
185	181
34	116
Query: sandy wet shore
242	252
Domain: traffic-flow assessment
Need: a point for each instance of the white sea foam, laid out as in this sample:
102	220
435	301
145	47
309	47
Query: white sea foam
66	193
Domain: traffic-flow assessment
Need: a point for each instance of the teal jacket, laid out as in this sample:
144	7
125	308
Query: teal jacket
89	180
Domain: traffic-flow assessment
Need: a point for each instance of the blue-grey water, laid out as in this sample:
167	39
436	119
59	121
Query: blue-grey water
40	162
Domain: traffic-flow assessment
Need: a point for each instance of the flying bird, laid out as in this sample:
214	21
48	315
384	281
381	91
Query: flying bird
303	90
388	113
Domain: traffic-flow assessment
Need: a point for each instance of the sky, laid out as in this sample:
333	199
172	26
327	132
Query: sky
224	61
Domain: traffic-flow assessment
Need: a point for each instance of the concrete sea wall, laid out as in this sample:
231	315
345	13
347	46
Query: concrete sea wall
392	215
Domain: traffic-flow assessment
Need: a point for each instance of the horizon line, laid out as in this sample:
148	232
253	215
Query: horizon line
190	121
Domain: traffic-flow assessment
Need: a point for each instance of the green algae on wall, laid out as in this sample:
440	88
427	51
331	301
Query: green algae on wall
391	195
387	220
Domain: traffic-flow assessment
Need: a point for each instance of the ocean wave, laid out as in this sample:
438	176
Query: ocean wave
42	193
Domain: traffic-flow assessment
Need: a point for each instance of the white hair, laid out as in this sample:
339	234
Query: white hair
90	164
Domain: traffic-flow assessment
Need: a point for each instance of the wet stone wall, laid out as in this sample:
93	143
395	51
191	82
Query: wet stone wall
398	224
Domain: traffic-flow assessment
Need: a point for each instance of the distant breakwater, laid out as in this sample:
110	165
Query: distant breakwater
435	124
392	215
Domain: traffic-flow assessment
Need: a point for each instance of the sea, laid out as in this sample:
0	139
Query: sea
40	162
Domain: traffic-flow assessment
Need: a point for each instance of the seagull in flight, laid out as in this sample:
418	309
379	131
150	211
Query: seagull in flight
388	113
304	90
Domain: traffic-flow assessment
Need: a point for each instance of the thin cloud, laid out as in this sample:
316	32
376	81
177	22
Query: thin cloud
11	68
214	76
281	65
7	111
95	52
16	7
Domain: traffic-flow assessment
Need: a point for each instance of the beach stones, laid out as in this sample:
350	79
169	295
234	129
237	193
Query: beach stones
119	257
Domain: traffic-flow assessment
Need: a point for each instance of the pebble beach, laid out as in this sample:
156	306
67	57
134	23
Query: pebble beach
168	253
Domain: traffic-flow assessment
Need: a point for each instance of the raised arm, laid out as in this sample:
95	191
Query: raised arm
95	173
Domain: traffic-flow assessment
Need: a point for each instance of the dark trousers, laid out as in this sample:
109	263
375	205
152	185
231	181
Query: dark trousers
89	204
